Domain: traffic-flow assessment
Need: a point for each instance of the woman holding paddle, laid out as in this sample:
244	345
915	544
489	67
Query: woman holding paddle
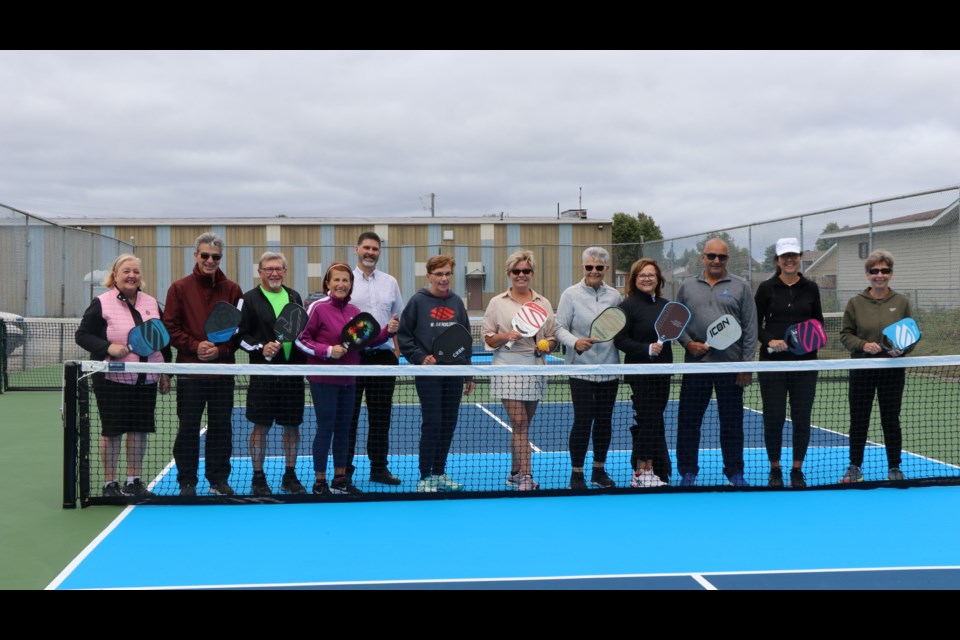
864	319
333	396
786	300
593	396
640	343
126	400
430	316
519	306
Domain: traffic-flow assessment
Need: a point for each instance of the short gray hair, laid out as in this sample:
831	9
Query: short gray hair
209	238
597	253
272	255
877	257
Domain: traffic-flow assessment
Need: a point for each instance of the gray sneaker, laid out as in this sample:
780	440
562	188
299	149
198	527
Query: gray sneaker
220	488
112	490
136	489
895	474
853	474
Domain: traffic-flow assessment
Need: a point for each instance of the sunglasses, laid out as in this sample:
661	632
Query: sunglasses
211	256
722	257
518	272
885	271
591	267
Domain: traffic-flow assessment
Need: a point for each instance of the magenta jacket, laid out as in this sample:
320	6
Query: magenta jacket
327	319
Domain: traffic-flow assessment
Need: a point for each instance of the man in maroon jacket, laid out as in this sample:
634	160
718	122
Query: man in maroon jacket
189	303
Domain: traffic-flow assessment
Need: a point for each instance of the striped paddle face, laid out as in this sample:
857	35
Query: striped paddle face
290	322
805	337
147	338
902	334
529	319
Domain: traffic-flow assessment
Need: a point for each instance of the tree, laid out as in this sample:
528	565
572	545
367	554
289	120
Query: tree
770	258
629	234
825	243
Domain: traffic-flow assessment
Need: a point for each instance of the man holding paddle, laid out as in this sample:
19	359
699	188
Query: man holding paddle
273	398
721	305
189	303
378	294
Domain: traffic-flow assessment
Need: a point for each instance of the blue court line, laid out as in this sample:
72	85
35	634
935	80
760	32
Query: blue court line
531	539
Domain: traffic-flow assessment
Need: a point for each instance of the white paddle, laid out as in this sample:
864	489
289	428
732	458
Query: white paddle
723	333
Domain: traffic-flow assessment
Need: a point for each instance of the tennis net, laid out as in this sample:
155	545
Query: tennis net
567	431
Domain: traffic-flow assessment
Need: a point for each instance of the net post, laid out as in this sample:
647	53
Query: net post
71	371
3	355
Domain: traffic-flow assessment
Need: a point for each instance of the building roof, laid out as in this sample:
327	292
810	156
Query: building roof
301	220
923	220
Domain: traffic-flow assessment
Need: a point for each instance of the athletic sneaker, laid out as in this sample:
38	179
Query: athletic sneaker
600	478
112	490
136	489
797	479
737	480
688	480
514	479
775	478
321	488
446	483
646	479
259	485
341	485
221	488
383	476
291	484
895	474
577	481
428	485
188	489
853	474
527	483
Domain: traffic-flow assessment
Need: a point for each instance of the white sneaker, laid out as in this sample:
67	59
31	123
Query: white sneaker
527	483
646	479
444	482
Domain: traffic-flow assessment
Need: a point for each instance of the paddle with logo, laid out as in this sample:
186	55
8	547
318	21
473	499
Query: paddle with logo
360	332
450	345
528	320
804	337
289	324
723	333
901	335
148	337
222	322
673	319
608	324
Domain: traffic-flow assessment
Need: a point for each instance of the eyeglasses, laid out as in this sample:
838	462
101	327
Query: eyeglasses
211	256
885	271
518	272
273	269
442	274
722	257
646	276
591	267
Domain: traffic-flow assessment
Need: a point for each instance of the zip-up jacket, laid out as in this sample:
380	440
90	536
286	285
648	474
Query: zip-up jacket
779	307
256	327
865	318
189	303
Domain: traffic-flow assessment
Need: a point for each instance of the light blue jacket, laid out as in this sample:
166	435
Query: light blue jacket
578	307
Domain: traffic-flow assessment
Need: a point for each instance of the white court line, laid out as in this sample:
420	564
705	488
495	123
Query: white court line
504	424
703	582
70	568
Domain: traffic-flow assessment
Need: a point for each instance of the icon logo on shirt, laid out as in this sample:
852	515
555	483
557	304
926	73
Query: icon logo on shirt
442	313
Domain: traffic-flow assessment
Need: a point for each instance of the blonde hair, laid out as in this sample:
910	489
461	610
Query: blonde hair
523	255
110	279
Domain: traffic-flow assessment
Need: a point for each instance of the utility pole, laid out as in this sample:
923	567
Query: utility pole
433	205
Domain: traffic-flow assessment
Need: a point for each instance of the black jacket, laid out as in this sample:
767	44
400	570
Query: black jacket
256	327
635	339
779	307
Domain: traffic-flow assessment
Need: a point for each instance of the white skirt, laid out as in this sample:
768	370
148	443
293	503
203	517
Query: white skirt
526	388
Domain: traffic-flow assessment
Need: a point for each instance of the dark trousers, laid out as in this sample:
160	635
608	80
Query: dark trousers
440	404
775	386
887	385
333	404
193	395
379	390
695	392
650	396
592	412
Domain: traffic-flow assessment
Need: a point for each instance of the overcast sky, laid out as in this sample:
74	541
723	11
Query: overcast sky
697	140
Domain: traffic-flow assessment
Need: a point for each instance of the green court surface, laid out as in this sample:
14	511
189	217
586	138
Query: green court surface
39	537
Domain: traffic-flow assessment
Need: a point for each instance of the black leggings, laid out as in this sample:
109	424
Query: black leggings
650	396
775	386
592	407
887	385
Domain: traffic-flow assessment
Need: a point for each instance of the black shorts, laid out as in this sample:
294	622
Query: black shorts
276	398
125	408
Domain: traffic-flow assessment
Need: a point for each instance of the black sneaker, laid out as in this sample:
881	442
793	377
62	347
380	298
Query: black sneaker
341	485
350	470
775	478
259	485
136	489
188	489
797	481
112	490
321	488
383	476
291	484
221	488
600	478
577	481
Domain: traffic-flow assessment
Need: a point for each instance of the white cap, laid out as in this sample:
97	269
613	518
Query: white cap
788	245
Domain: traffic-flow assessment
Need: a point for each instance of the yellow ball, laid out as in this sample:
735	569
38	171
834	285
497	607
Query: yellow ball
543	345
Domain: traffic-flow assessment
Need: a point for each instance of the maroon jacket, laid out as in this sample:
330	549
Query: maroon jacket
189	303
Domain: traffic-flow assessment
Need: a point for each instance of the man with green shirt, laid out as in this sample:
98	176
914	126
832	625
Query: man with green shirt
272	399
